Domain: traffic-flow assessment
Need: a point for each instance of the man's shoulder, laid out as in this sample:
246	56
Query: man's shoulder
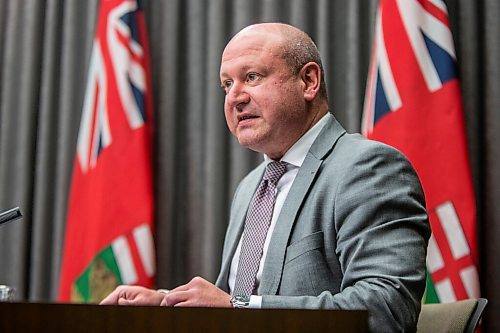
355	146
335	141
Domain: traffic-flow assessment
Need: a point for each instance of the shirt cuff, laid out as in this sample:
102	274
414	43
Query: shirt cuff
255	302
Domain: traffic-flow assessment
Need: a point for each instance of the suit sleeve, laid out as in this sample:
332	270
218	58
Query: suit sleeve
382	230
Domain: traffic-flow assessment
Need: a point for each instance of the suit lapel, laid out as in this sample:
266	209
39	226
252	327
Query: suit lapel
308	172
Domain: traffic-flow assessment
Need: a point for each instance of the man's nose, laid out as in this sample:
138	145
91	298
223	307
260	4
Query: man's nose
237	97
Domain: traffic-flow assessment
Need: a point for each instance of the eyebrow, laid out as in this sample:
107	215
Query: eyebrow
244	68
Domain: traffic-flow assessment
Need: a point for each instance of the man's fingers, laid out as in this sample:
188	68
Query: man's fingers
123	301
128	295
185	304
195	282
111	298
175	297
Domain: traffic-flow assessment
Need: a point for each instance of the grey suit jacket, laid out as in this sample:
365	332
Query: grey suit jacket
352	233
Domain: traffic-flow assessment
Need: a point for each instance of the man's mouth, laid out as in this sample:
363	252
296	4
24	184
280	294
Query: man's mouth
244	118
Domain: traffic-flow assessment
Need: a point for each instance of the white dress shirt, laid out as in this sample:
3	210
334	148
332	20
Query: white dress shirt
294	157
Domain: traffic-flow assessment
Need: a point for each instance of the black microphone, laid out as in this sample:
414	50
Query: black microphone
10	215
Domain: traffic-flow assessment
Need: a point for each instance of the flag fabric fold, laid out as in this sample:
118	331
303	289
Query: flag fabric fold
413	103
109	230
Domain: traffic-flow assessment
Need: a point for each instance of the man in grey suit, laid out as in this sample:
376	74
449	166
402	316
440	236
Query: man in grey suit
348	227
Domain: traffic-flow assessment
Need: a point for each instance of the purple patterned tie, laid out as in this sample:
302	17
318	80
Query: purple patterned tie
257	224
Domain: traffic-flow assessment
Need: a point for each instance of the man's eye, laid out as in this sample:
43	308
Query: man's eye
252	76
226	84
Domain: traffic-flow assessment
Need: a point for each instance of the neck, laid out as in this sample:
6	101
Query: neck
316	115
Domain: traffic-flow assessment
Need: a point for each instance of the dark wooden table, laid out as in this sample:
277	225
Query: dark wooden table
74	318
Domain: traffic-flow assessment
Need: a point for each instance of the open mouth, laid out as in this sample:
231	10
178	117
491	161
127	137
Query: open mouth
245	117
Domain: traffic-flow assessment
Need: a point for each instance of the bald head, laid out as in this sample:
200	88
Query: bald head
292	44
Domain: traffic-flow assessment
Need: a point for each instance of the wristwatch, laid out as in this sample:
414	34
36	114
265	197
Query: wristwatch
241	301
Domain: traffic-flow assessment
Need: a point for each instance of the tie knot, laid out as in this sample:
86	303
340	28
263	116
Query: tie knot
274	171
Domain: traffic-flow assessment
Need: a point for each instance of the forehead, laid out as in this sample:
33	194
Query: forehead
249	49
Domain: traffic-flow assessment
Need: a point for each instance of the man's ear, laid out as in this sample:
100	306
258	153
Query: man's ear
311	77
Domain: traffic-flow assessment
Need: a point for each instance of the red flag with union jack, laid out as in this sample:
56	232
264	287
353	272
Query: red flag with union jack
109	233
413	103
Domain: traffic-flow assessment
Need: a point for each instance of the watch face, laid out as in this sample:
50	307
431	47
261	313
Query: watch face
240	301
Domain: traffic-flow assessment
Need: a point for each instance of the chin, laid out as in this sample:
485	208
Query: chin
254	141
247	143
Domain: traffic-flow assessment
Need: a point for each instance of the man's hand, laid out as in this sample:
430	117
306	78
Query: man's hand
198	292
133	295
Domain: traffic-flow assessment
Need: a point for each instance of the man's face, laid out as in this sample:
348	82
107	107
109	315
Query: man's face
264	107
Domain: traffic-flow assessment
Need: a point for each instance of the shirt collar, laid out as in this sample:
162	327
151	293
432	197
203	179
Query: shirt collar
297	153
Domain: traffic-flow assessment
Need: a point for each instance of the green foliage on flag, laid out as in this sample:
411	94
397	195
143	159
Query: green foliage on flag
99	278
430	295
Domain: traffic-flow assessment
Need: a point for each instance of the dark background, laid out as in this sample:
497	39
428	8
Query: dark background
44	55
